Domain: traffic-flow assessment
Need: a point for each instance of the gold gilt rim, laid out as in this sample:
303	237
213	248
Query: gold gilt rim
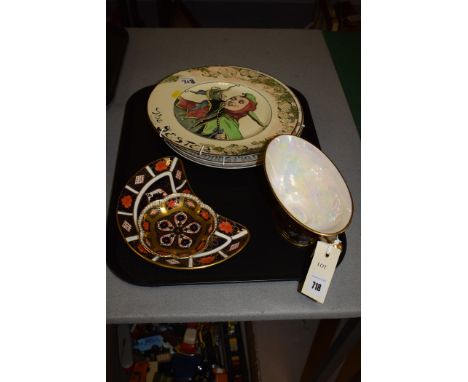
217	214
203	266
287	211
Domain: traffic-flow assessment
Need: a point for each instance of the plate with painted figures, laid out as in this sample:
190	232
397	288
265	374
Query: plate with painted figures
225	115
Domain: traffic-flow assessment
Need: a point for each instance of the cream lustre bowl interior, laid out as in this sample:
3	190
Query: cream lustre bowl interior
308	185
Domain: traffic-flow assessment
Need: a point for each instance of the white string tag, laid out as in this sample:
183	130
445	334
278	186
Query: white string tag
321	270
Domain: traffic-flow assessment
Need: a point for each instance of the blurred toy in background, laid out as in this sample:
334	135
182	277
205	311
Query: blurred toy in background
186	367
139	372
148	343
152	370
193	352
189	342
125	346
220	374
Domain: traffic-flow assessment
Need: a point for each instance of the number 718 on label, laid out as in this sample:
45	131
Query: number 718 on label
317	286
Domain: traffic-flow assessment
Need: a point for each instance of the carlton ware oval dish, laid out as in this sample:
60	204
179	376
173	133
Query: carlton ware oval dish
308	185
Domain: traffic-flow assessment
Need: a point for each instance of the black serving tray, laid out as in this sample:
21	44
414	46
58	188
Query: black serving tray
241	195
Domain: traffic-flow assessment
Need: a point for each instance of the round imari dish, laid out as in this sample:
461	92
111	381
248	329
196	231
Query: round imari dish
190	241
178	226
219	112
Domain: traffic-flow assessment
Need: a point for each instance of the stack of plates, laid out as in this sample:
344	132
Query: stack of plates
223	116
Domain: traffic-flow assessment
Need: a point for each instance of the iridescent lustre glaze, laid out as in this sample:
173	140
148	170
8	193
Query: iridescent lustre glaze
308	185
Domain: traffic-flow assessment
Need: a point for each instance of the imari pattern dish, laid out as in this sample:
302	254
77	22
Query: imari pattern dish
223	115
177	226
162	221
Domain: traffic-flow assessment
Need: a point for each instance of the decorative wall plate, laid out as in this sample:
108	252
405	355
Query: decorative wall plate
223	110
157	180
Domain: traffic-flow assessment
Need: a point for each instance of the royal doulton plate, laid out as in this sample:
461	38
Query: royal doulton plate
223	111
158	180
225	162
245	161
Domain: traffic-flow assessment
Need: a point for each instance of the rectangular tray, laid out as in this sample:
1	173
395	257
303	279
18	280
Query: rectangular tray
241	195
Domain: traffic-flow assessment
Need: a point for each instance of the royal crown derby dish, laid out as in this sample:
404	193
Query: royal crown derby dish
223	111
308	186
177	226
161	180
